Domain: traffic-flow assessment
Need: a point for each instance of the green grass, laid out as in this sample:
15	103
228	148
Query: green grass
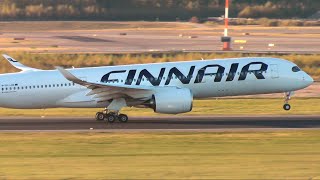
245	155
302	106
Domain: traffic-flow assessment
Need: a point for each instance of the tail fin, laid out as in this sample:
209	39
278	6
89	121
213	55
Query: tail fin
18	65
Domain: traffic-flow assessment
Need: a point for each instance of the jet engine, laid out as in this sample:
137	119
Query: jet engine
172	101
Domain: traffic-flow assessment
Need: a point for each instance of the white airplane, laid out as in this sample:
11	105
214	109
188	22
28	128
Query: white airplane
165	87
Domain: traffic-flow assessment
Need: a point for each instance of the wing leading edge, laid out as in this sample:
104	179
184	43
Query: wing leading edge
105	92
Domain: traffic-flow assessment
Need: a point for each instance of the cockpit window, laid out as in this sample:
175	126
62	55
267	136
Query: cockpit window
296	69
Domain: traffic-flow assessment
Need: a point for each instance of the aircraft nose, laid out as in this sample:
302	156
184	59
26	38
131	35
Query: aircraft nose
308	79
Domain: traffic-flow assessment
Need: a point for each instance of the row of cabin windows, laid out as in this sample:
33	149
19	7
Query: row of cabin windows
38	86
180	77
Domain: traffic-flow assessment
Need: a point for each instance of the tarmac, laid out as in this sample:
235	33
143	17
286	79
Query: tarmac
188	38
162	123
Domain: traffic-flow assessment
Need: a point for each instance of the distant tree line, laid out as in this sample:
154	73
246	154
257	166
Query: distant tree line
162	10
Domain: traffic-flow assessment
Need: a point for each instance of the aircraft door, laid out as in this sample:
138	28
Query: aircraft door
274	71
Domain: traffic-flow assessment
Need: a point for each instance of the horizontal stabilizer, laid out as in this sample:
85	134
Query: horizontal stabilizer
18	65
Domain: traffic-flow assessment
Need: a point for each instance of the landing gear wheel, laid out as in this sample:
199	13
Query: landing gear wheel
99	116
287	107
111	118
123	118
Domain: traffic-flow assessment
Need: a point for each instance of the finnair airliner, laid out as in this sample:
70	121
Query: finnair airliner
165	87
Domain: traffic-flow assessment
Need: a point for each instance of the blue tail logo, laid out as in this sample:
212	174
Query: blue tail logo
12	60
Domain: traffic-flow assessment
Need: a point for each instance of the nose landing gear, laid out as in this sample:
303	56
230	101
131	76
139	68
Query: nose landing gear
286	105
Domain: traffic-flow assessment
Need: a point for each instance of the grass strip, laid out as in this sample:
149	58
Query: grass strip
236	155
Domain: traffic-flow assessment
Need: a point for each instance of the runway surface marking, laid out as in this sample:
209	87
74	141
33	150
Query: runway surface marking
173	123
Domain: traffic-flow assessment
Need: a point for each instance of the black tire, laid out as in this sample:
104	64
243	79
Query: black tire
111	118
100	116
287	107
123	118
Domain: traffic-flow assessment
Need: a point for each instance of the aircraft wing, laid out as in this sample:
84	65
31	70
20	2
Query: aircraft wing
17	64
104	92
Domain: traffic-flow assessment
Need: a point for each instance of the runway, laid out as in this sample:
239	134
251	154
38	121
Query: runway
173	123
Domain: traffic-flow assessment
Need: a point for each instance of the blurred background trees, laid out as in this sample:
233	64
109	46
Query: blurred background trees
163	10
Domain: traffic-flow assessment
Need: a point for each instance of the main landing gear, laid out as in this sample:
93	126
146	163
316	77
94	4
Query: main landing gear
111	113
286	105
111	117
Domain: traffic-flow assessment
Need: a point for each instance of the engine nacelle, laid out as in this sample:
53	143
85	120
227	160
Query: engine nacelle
172	101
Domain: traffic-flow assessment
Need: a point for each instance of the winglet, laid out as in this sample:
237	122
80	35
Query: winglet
18	65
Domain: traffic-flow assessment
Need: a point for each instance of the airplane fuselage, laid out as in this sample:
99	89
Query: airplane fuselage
208	78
